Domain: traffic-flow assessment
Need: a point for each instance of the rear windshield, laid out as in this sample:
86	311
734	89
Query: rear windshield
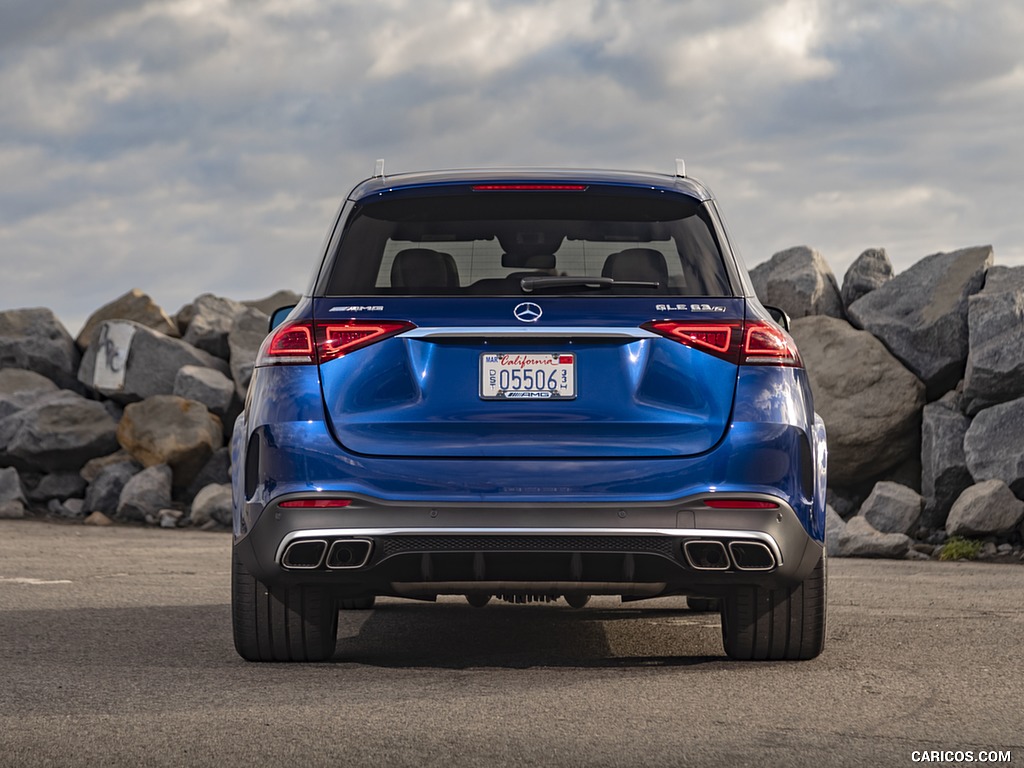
486	243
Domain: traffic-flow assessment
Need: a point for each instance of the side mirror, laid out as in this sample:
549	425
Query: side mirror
779	316
278	316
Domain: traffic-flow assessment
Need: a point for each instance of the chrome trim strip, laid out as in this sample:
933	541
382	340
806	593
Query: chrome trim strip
510	331
678	533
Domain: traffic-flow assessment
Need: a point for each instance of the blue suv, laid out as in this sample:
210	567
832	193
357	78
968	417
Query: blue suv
528	385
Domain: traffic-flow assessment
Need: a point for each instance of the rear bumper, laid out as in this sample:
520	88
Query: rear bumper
423	550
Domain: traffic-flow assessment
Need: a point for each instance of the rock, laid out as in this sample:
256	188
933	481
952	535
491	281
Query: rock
995	320
216	471
835	527
58	485
94	467
135	306
212	319
128	362
20	388
245	339
274	302
860	539
986	509
58	509
35	340
892	508
165	429
97	518
12	510
921	315
145	493
944	473
169	518
10	486
212	503
61	431
871	270
75	507
800	281
207	386
993	442
104	493
846	501
870	403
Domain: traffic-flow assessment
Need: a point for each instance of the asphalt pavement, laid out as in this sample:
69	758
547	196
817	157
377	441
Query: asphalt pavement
115	650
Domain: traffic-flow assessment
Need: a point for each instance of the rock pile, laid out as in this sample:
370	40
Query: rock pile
919	378
920	382
130	420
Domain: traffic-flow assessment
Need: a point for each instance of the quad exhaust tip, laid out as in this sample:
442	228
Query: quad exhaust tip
341	554
711	555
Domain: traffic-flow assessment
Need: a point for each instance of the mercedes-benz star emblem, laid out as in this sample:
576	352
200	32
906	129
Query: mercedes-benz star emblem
527	312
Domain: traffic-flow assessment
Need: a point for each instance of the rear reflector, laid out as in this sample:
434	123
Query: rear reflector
739	504
315	503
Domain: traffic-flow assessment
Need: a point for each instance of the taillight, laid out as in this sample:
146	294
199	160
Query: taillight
766	344
752	343
305	343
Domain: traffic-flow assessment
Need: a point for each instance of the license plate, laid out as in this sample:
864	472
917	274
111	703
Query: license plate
528	376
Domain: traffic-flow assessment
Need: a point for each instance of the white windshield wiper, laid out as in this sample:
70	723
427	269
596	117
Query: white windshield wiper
531	284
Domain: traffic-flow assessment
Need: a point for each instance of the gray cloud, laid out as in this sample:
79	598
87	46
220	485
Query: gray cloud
183	147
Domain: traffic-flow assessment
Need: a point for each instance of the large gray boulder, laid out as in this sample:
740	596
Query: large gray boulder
165	429
20	388
921	314
870	403
944	472
871	270
10	486
34	339
60	431
994	445
207	386
995	320
211	321
133	305
892	508
212	503
858	538
800	281
244	341
274	301
128	362
216	471
986	509
145	494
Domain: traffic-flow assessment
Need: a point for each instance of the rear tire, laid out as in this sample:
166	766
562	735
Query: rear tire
283	624
786	624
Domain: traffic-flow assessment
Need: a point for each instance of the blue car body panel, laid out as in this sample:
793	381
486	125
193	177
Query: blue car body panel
400	423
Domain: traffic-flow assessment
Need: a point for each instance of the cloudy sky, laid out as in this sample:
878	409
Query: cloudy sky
185	146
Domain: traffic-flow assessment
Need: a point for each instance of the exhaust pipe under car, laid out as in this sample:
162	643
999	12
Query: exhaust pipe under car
706	555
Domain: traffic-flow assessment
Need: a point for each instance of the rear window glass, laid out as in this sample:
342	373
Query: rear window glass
486	243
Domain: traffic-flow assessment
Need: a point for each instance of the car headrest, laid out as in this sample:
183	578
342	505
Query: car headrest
637	264
424	268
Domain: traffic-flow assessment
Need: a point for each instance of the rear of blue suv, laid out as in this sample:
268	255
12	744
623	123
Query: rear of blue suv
528	385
